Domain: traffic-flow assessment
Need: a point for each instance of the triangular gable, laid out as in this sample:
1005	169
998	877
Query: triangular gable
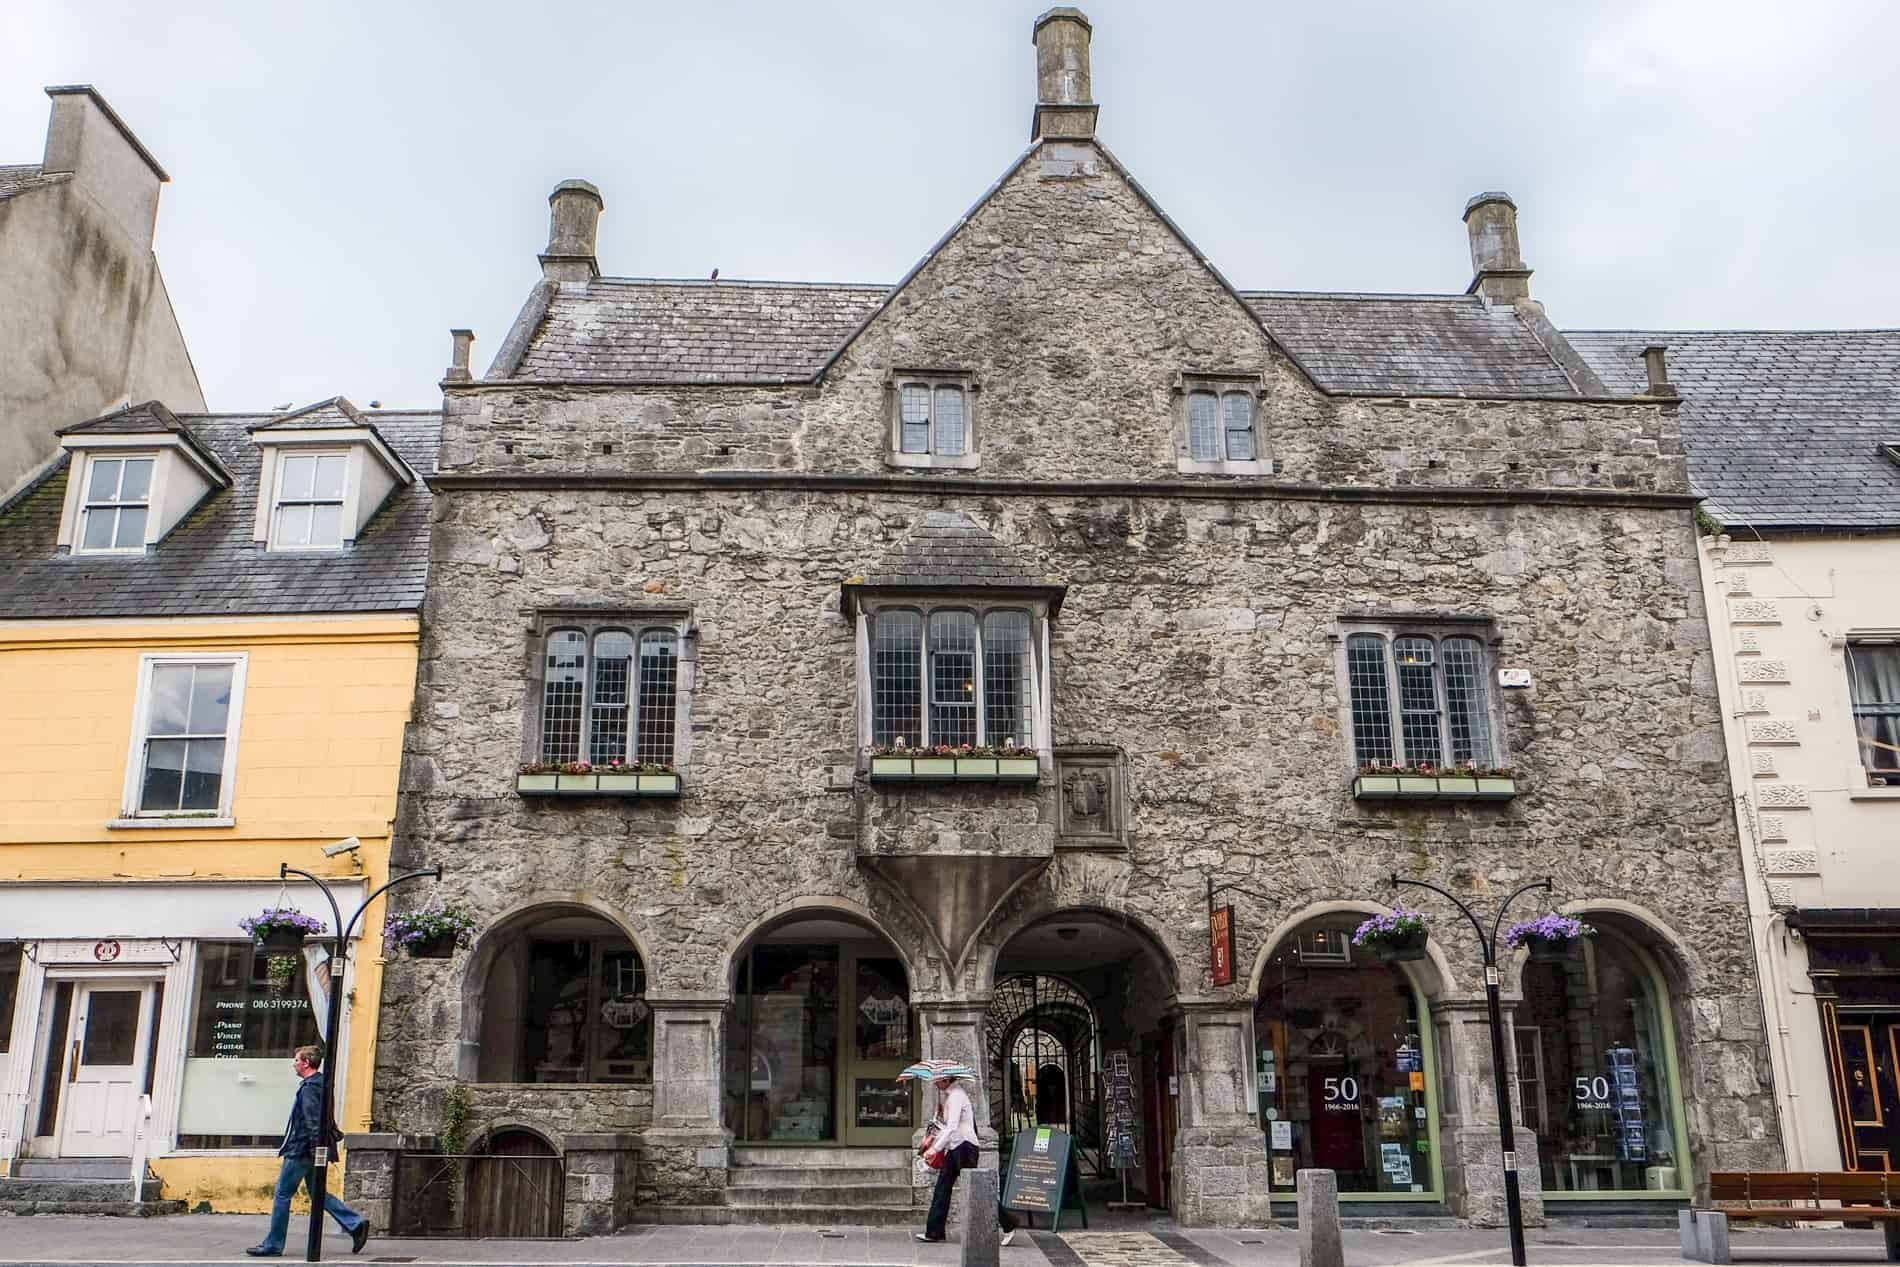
150	418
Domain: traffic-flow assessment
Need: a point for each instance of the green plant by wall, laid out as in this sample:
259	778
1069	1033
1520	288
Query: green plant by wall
1707	525
452	1135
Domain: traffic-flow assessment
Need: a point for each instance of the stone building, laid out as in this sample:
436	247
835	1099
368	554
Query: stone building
1795	439
87	325
1181	562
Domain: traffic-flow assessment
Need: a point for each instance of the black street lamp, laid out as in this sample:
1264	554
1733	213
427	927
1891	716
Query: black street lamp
1506	1134
320	1175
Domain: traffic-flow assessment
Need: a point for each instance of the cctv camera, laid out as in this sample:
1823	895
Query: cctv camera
349	844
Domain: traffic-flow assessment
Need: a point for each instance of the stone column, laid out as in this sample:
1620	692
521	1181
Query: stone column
1470	1155
686	1151
600	1187
954	1031
1221	1172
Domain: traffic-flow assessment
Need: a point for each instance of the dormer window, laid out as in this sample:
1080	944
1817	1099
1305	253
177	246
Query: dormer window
118	500
308	514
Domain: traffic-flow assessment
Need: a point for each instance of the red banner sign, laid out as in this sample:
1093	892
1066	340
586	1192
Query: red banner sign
1220	936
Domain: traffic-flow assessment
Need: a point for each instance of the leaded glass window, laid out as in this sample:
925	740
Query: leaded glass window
950	676
933	420
1220	426
1418	700
1204	427
610	700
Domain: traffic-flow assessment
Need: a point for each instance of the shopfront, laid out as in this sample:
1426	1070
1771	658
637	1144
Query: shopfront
820	1027
1344	1069
1854	963
1596	1070
162	1005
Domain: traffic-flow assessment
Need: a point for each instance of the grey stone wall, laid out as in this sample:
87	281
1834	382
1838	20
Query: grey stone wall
1197	637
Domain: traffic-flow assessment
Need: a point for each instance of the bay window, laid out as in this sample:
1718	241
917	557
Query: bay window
954	675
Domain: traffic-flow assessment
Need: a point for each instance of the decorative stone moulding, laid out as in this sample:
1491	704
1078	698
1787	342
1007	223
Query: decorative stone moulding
955	769
665	784
1430	787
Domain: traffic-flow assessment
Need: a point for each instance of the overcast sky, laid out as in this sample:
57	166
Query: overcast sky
351	180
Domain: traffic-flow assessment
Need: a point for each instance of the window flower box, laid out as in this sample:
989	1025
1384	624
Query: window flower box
1426	783
956	765
579	779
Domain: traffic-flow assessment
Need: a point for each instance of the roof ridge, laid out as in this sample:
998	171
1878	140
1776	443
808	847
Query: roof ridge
1362	294
1836	330
760	283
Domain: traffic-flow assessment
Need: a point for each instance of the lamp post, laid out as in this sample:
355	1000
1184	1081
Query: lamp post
320	1175
1506	1134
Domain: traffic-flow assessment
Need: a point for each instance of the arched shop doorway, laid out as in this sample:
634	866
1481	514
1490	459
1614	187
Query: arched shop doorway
562	999
1344	1068
1596	1070
1075	993
819	1028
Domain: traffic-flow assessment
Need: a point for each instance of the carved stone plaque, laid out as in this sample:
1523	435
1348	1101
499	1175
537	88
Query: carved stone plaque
1090	807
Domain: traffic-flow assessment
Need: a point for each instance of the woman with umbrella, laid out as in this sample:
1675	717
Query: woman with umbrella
949	1144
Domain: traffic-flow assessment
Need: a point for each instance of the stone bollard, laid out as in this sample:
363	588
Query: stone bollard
982	1240
1319	1220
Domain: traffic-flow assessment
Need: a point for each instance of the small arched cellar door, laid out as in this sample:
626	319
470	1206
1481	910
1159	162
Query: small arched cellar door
515	1189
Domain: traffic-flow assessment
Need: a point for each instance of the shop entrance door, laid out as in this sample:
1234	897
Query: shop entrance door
107	1046
1870	1067
877	1109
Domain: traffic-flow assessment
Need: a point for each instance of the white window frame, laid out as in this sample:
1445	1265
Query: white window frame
591	624
931	380
131	815
1220	386
342	502
1437	631
925	606
1863	780
83	509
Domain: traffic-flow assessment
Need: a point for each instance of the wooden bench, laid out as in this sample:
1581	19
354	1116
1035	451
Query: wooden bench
1791	1196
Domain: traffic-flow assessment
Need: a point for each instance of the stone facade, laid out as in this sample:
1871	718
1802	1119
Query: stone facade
1198	638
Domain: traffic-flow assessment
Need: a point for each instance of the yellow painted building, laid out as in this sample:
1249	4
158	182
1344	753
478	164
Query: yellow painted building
209	630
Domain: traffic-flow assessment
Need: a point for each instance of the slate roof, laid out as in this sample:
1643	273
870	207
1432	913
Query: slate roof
1435	345
1782	428
144	419
946	550
16	178
644	330
208	564
694	332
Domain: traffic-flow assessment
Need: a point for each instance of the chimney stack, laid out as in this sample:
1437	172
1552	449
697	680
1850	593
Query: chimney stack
1065	110
1659	384
87	138
458	358
1498	271
572	224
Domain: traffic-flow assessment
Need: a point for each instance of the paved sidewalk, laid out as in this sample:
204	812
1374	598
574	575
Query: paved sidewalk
221	1238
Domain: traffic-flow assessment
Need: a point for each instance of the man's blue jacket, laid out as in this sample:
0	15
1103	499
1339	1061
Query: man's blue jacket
303	1133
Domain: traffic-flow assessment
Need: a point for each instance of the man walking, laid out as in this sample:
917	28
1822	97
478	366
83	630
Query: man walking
306	1132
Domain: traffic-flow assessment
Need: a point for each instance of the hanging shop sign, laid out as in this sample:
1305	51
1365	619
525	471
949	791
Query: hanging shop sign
1220	937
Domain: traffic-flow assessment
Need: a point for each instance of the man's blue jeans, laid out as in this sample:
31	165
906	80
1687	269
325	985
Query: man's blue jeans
296	1171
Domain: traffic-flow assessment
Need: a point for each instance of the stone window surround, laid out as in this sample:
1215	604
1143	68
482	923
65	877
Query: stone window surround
130	815
1436	626
591	620
980	606
1220	382
971	457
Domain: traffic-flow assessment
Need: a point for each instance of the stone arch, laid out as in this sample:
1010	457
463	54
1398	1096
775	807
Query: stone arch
489	944
1681	966
817	904
512	1123
1432	976
998	936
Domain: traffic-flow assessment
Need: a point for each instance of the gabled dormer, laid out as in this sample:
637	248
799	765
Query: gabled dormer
324	474
134	475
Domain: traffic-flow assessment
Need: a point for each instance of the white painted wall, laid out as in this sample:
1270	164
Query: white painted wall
1814	834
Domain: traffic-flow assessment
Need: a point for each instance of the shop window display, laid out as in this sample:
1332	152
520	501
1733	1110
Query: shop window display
1341	1069
566	1002
1594	1073
240	1013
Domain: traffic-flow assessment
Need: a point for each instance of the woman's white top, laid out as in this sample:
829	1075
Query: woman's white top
959	1120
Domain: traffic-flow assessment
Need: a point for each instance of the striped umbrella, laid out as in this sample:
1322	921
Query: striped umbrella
931	1070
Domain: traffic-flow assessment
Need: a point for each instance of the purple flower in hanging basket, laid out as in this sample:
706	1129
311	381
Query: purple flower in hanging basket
1395	923
1547	928
273	918
424	923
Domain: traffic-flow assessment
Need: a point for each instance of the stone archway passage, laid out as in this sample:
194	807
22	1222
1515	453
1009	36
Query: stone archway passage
1043	1060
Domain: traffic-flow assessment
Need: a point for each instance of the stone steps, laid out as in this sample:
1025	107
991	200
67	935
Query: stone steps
73	1168
750	1196
38	1192
796	1215
749	1155
807	1187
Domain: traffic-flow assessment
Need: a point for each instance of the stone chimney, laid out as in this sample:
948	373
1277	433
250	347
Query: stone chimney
1498	271
573	221
1064	107
87	139
1659	384
457	371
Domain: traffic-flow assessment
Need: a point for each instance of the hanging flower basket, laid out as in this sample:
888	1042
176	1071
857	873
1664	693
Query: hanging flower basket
433	931
1397	936
282	971
281	931
1550	938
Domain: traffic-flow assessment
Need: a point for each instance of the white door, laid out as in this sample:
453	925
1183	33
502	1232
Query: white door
106	1051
